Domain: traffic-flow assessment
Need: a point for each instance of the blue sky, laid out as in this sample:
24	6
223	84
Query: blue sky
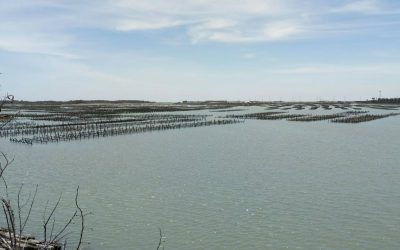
173	50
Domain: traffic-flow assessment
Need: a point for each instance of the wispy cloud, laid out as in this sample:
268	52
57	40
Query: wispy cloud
249	56
36	44
377	68
361	6
281	30
22	30
246	20
132	25
240	33
224	21
367	7
243	21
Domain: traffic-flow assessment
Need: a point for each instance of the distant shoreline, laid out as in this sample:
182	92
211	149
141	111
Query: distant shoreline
206	102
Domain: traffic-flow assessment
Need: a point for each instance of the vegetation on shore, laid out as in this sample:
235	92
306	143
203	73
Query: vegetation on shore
17	212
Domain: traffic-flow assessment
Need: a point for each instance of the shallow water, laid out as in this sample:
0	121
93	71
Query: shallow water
256	185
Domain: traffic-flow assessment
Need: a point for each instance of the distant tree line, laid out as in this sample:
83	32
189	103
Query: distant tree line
385	100
80	102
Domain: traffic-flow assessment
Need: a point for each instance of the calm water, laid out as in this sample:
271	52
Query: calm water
257	185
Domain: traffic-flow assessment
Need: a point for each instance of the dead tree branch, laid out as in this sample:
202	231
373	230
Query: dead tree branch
161	240
82	218
46	221
12	237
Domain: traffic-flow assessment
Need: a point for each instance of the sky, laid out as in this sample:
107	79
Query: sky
174	50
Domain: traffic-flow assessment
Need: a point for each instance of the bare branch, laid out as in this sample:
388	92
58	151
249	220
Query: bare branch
52	229
56	239
19	207
9	213
7	163
82	218
30	209
46	222
19	213
7	220
65	244
160	242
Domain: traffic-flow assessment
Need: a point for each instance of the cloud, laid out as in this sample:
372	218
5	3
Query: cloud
223	21
234	32
103	36
35	44
363	6
22	30
281	30
382	68
191	8
54	78
131	25
245	21
218	23
367	7
249	56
